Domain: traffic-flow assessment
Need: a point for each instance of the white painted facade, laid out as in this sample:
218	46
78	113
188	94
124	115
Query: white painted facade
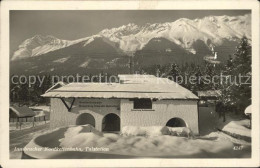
161	112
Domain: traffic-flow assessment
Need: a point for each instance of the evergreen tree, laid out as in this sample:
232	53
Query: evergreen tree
229	66
238	89
198	82
174	72
211	83
24	93
225	82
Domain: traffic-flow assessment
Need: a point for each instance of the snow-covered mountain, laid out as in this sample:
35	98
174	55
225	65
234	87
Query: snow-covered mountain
211	30
39	45
181	41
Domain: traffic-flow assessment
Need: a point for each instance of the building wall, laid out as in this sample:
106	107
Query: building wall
208	119
98	108
162	111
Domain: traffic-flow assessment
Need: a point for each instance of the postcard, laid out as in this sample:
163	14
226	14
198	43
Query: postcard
129	83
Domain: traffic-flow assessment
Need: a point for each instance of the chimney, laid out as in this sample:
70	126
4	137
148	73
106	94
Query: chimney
130	65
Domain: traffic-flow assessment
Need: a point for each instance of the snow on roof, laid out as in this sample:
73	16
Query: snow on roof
137	78
22	111
131	76
248	110
161	88
57	85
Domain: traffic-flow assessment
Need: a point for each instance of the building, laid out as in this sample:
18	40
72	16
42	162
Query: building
136	100
207	109
20	112
208	97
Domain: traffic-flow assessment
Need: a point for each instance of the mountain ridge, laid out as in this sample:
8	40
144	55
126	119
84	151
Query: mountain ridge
128	39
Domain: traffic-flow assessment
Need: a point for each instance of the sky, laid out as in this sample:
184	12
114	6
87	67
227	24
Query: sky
72	25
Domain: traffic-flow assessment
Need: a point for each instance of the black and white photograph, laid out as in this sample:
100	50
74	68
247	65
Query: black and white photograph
144	83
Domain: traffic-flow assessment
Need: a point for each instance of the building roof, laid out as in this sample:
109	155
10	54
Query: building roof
134	76
137	78
22	111
57	85
152	87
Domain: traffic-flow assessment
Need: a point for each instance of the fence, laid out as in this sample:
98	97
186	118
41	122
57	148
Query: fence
27	122
30	119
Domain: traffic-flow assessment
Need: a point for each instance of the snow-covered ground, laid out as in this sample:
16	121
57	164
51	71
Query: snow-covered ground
13	126
215	144
140	142
235	125
40	111
20	138
233	141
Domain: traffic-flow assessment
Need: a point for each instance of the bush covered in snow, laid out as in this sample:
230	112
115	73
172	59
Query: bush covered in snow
181	131
145	131
156	131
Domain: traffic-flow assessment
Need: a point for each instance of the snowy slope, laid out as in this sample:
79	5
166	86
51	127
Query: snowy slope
212	30
39	45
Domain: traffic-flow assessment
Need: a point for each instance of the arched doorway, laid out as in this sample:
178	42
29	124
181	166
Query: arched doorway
85	118
111	123
176	122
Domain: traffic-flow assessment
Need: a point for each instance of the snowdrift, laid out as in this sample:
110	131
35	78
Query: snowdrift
74	142
236	126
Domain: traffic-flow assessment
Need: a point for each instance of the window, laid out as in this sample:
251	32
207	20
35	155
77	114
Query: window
142	104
